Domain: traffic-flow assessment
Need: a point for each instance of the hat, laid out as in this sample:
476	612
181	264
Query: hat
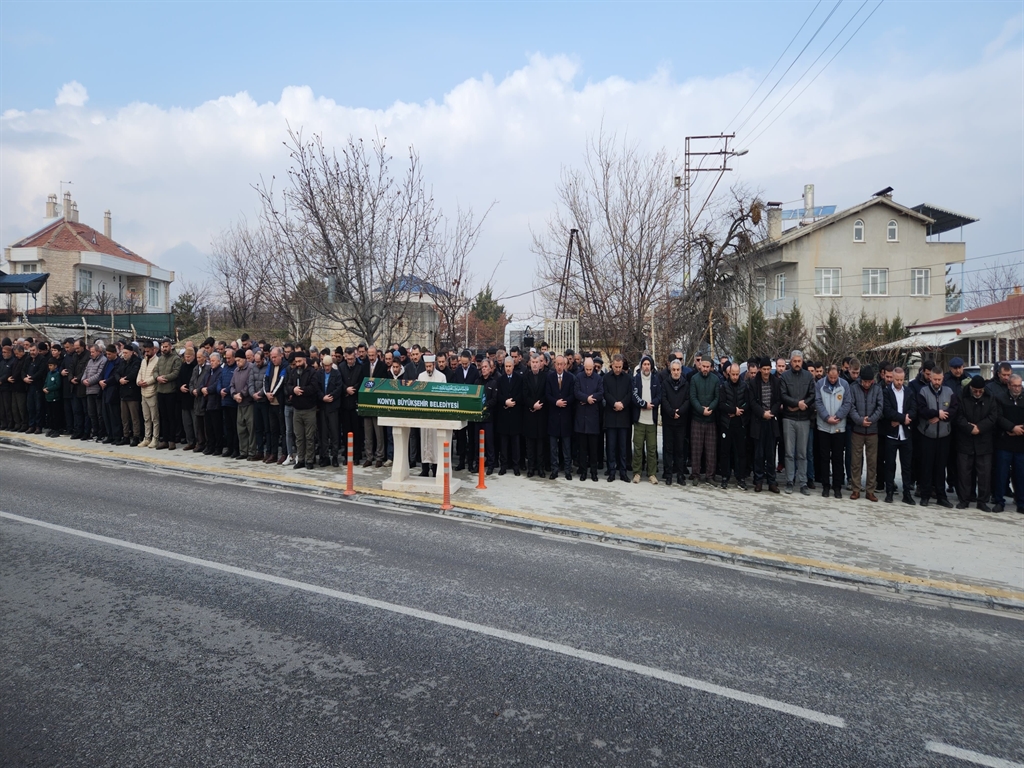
956	362
867	373
429	359
764	362
977	382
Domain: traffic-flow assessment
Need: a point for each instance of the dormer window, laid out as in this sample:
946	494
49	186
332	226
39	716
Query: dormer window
858	231
892	231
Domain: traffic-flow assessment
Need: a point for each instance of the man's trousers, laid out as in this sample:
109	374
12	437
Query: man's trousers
509	451
590	450
373	440
764	455
169	404
150	418
645	441
734	450
565	442
275	419
971	468
305	435
831	449
673	447
230	416
934	459
703	443
131	418
246	435
329	434
864	444
796	431
1006	464
904	449
6	409
617	447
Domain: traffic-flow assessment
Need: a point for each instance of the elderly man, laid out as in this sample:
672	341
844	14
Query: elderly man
374	445
559	396
589	394
832	406
976	421
1009	447
508	415
239	393
646	404
91	379
675	412
936	413
275	395
618	416
733	416
765	399
535	415
703	404
798	406
195	401
865	415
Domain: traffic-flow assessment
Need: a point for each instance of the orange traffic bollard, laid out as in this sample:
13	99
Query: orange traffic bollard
349	484
481	485
446	502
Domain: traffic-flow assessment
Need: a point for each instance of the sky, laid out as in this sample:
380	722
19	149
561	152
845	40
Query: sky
169	113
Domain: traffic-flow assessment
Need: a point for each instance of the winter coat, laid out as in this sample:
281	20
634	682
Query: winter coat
240	385
757	410
730	398
93	373
129	371
331	384
638	395
185	400
490	385
508	420
796	387
6	366
675	398
195	383
980	411
560	421
18	365
1011	414
111	391
52	384
535	423
311	383
835	401
352	377
68	363
704	394
470	376
587	419
618	389
214	402
168	366
866	405
36	367
891	412
147	375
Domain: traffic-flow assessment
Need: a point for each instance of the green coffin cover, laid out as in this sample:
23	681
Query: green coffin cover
421	400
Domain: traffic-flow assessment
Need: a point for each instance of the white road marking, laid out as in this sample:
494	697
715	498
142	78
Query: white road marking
469	626
970	756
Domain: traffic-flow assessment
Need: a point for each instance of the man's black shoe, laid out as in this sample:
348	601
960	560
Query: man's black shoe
568	475
888	498
501	471
460	467
311	467
425	470
824	492
490	470
983	507
998	508
335	462
944	502
667	479
553	475
583	476
593	475
924	502
623	477
811	485
300	465
959	504
516	472
908	499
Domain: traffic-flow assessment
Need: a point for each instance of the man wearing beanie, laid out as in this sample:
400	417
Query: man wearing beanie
975	422
865	413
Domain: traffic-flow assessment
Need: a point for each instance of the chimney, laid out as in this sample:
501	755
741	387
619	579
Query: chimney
74	212
808	204
774	221
67	206
106	223
51	206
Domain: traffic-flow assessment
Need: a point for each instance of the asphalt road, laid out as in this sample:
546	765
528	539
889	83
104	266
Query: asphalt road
150	619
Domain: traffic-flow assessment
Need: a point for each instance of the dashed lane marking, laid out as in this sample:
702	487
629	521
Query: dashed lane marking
970	756
468	626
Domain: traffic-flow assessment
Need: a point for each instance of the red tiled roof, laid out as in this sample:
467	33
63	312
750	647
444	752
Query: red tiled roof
1010	309
64	235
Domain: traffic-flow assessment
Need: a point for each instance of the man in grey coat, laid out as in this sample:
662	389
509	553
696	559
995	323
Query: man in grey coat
865	414
798	408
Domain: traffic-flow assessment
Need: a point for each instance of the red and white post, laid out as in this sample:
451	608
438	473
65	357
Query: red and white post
349	482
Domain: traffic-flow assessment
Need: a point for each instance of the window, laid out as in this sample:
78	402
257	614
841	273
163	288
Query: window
28	269
892	231
827	281
154	293
920	282
761	290
876	282
780	286
85	282
820	334
858	231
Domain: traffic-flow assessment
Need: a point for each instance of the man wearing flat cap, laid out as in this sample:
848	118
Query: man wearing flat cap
976	422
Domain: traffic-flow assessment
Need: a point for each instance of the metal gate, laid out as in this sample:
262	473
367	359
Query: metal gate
562	334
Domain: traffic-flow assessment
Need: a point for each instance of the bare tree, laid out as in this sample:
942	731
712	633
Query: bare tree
346	218
448	268
632	241
991	286
70	303
104	302
241	266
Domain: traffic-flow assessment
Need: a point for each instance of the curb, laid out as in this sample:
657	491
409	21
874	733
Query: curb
809	568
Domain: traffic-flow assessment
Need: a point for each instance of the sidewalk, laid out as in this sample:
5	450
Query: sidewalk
964	554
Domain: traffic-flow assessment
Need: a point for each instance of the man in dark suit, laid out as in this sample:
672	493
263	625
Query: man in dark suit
464	373
899	409
508	416
332	388
764	395
559	396
374	444
535	415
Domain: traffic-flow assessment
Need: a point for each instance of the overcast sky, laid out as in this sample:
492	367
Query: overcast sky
168	113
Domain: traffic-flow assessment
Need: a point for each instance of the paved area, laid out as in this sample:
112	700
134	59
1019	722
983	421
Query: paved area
946	549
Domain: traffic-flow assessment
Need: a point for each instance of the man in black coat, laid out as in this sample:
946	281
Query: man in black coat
976	422
733	416
559	395
899	410
352	378
618	401
764	396
464	373
332	388
508	415
675	422
535	416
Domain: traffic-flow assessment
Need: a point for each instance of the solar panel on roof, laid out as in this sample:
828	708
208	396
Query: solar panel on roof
798	213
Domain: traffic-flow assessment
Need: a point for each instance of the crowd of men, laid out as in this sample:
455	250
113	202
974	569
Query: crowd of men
788	426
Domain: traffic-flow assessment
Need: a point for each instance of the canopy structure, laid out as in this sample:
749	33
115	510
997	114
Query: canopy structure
944	219
932	340
31	282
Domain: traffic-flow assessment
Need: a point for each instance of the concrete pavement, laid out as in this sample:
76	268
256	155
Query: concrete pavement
963	554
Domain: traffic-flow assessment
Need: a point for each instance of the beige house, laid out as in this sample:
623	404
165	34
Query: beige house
80	258
878	257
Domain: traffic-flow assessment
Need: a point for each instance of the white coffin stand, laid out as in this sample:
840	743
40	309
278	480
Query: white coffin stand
400	479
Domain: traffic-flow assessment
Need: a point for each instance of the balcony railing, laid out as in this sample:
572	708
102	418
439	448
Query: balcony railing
776	307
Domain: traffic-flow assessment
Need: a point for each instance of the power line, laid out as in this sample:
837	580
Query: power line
768	74
791	64
795	98
810	67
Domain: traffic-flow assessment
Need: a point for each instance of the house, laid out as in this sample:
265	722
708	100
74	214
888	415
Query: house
878	257
982	336
101	274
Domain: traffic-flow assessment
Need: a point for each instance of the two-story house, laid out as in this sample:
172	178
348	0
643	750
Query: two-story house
81	259
878	257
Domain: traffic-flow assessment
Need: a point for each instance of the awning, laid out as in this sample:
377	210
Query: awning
991	330
922	341
30	282
944	219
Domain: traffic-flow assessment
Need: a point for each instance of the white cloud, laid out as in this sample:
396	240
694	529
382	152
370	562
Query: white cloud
72	94
180	175
1012	27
